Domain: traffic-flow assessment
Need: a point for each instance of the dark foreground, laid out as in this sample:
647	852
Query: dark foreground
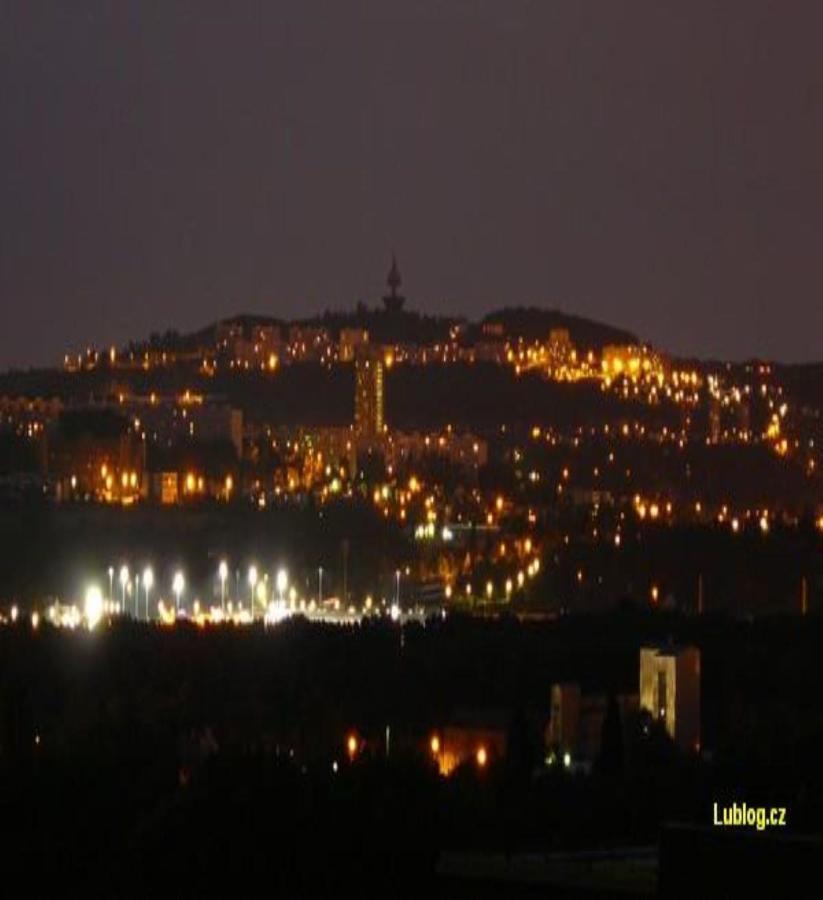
136	761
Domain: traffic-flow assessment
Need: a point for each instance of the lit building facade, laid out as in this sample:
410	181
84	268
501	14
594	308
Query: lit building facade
94	454
351	341
246	345
369	420
670	692
463	449
167	420
575	728
473	737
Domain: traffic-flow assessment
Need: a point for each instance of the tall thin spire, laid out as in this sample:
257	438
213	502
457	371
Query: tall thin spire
393	301
394	280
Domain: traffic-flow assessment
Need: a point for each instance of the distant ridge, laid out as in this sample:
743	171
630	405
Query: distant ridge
408	326
535	323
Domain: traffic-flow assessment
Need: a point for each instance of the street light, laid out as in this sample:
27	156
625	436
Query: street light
282	583
177	586
319	585
148	584
124	580
397	588
252	583
93	606
111	584
223	572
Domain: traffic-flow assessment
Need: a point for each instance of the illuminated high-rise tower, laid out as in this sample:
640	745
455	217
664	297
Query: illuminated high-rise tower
368	393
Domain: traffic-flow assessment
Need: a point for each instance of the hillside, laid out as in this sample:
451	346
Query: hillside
535	323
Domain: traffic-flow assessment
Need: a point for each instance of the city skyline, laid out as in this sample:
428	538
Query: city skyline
660	173
411	448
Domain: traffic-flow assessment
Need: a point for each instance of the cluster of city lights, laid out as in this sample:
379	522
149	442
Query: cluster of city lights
446	754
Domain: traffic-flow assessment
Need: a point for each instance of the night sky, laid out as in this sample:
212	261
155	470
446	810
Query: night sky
657	165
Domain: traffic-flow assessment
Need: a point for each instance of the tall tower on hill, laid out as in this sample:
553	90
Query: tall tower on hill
393	301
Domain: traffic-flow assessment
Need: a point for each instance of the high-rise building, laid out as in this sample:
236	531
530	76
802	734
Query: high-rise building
368	393
670	691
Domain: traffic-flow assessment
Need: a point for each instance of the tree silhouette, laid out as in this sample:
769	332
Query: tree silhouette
610	758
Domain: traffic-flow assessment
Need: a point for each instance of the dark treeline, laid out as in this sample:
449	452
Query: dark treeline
742	574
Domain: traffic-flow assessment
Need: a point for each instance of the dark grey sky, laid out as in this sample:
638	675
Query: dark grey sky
658	165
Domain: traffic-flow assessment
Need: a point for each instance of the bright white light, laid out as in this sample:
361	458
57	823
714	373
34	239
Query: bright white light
282	581
148	578
93	607
223	570
395	612
124	576
252	575
178	583
275	612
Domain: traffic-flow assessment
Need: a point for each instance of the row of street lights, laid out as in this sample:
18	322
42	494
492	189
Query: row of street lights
257	589
124	580
178	586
